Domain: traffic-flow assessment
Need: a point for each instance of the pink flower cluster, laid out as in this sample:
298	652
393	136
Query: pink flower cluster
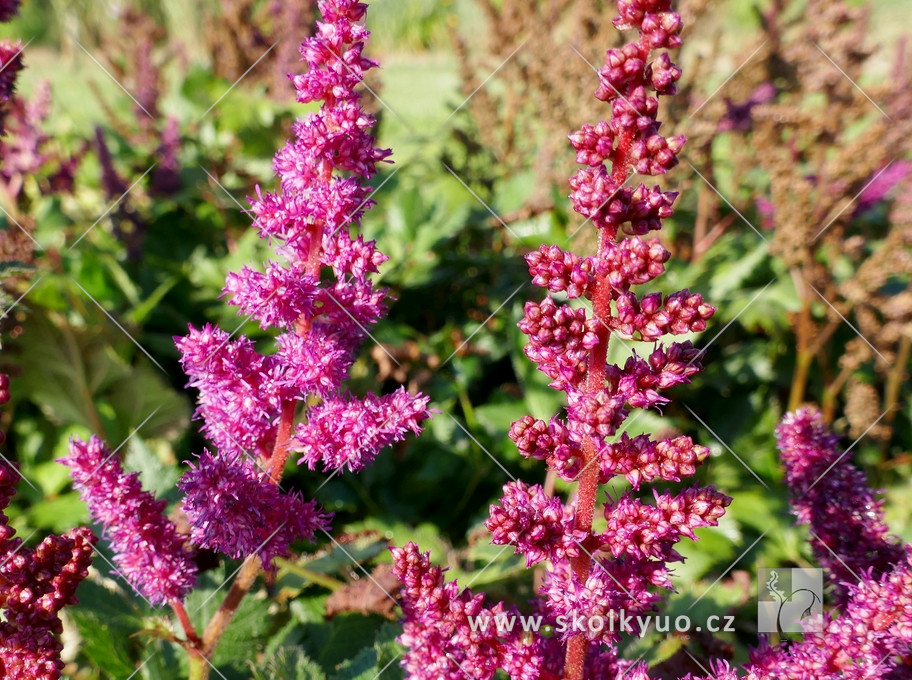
443	644
868	635
848	534
148	550
259	408
35	584
24	144
625	566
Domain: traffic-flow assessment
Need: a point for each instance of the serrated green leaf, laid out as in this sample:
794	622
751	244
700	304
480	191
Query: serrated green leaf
341	639
389	650
362	667
246	634
287	663
106	619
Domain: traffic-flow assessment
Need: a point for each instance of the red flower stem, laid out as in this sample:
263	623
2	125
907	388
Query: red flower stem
184	619
587	488
283	435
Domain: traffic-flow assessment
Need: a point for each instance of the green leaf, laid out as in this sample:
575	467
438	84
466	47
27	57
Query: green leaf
106	619
336	560
157	477
142	310
341	639
287	663
58	514
76	376
362	667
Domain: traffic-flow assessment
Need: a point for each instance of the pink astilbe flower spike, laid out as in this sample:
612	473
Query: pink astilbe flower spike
259	518
349	432
444	645
593	574
318	297
868	633
148	550
35	584
849	535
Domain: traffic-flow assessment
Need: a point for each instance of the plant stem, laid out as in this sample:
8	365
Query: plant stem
181	614
283	434
894	383
199	668
587	489
803	330
799	379
828	404
218	624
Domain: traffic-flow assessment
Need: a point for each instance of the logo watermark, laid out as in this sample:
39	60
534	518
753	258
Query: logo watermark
790	601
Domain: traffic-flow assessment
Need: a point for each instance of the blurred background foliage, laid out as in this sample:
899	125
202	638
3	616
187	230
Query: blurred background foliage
162	118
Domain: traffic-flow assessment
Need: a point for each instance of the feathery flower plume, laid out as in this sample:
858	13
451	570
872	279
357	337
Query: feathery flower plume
248	400
257	408
319	298
848	533
148	550
594	574
868	634
35	584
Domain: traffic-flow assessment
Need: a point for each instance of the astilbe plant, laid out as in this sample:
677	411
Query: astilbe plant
593	574
868	633
258	409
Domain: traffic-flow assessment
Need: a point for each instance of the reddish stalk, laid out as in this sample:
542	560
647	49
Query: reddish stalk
587	489
189	630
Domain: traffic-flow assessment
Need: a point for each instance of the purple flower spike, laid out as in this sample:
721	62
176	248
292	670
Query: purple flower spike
148	550
318	297
350	432
234	509
832	496
35	584
593	572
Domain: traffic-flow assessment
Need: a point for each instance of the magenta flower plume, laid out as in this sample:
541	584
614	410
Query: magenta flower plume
595	573
11	64
148	550
318	298
35	584
237	496
848	532
349	432
452	634
871	637
868	634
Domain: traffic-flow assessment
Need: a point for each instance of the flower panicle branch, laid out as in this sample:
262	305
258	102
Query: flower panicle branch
259	409
591	298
